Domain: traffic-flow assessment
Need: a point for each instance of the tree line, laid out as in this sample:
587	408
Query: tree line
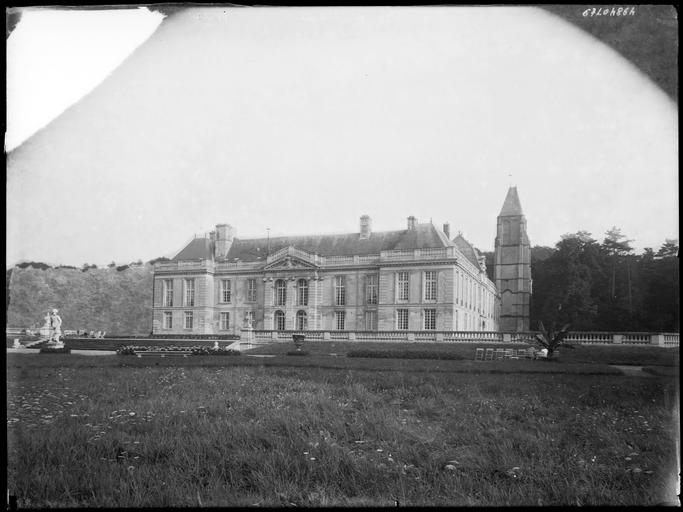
604	285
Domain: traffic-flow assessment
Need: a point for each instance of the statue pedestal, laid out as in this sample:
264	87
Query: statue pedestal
247	335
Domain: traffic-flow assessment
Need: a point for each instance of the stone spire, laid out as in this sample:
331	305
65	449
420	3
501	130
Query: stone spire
511	206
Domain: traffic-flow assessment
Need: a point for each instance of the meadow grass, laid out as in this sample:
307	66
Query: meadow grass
119	431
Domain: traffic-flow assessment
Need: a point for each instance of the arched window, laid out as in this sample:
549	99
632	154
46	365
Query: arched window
302	293
280	292
301	321
279	320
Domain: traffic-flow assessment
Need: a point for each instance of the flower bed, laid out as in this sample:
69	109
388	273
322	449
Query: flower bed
131	350
54	350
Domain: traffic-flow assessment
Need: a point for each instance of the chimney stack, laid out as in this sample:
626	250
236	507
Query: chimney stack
411	223
365	227
447	230
224	236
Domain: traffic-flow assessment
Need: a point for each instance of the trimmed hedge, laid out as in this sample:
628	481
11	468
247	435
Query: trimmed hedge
297	353
405	354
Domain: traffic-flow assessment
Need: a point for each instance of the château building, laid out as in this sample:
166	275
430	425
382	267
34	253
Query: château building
412	279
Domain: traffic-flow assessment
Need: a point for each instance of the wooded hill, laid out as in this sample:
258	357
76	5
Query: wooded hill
112	300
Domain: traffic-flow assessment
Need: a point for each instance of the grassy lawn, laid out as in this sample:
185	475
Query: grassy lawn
119	431
625	354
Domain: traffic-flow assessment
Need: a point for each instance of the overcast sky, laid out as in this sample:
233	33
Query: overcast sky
302	119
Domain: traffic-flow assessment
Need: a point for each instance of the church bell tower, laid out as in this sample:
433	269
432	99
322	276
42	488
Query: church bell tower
512	265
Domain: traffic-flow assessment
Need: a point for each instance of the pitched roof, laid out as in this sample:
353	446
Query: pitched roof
424	236
196	249
511	206
467	250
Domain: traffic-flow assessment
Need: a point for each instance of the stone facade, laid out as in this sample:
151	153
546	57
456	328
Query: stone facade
413	279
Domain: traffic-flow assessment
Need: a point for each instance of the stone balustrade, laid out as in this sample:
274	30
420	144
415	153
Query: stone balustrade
583	338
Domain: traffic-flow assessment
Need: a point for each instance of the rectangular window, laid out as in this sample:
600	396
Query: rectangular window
403	284
168	292
371	320
339	291
225	320
371	289
168	320
249	319
188	320
302	292
402	319
188	300
280	292
430	319
226	290
251	290
340	319
430	285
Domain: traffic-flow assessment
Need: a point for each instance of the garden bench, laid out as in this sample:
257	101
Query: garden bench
479	354
489	355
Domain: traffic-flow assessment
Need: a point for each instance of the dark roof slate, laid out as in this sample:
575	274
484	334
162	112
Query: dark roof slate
511	206
423	236
252	249
467	250
196	249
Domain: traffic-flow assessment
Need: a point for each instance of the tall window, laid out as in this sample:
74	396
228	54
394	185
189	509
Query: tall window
339	291
226	290
302	292
225	320
430	319
168	320
168	292
403	285
371	290
280	292
279	320
371	320
402	319
430	285
189	320
251	290
301	321
188	300
340	320
249	319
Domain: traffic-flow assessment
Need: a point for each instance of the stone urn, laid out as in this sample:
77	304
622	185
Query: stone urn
298	341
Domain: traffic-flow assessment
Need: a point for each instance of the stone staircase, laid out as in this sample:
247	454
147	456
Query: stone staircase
42	342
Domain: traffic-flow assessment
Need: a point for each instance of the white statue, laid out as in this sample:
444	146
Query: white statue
215	345
56	324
